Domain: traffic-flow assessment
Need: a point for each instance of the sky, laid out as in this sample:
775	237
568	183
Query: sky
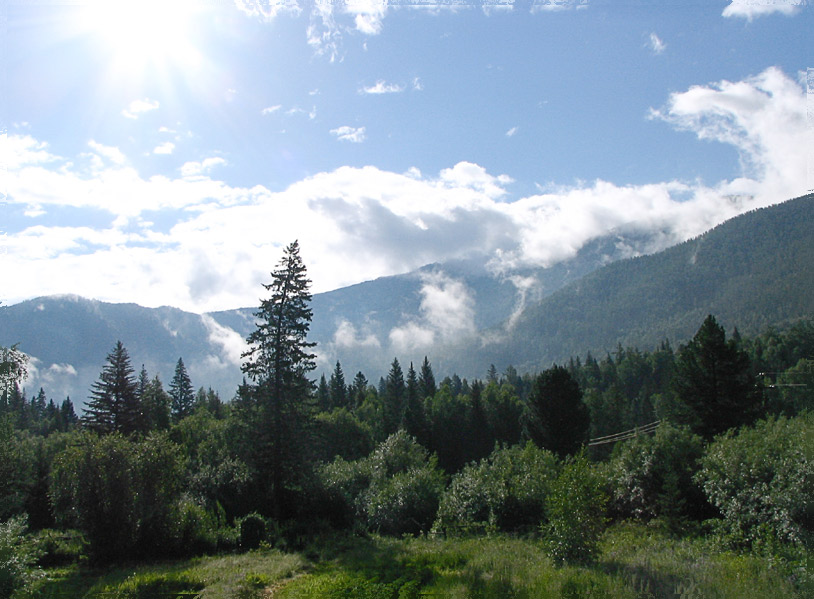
164	153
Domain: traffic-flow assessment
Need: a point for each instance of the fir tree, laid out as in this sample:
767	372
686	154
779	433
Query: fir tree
182	393
114	404
278	361
338	389
426	380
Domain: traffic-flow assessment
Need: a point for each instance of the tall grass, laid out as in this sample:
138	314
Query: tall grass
633	562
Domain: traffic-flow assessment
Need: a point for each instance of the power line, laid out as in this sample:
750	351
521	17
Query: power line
625	435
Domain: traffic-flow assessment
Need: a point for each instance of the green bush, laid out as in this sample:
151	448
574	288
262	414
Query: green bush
505	491
395	490
124	495
762	481
252	531
576	512
652	477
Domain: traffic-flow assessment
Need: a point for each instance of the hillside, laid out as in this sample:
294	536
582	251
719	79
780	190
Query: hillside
753	271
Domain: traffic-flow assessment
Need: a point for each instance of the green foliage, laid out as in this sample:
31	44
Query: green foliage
506	491
278	361
555	416
122	494
762	481
714	383
114	404
395	490
18	557
252	531
340	433
652	477
576	512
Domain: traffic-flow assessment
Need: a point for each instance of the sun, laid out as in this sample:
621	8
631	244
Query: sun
144	34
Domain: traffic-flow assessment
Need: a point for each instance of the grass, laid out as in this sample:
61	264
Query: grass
635	562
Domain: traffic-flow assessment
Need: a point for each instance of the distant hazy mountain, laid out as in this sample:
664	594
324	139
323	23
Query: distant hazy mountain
752	271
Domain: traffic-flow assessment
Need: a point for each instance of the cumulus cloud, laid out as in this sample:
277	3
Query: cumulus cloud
750	9
352	134
165	148
218	242
137	107
381	87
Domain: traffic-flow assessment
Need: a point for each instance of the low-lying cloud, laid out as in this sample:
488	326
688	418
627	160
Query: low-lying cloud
215	243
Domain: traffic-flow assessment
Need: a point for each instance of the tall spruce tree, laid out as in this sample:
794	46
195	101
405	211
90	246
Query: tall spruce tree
181	392
114	404
277	362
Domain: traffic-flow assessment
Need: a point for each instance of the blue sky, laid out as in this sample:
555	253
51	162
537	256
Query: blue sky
164	152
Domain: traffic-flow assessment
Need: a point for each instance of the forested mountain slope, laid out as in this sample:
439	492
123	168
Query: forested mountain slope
753	271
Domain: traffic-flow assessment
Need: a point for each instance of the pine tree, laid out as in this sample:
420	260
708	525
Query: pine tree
278	361
713	382
114	404
426	380
555	417
323	394
339	391
394	398
181	392
156	405
358	390
414	422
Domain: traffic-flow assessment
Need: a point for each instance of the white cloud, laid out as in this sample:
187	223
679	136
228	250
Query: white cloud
165	148
511	132
270	109
110	153
446	313
347	336
193	168
351	134
268	9
656	44
381	87
138	107
557	5
357	224
750	9
417	84
230	341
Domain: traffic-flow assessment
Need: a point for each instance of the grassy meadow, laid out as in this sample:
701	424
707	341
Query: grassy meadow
634	562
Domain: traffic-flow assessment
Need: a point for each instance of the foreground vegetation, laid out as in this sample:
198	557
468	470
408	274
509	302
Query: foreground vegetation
514	486
634	561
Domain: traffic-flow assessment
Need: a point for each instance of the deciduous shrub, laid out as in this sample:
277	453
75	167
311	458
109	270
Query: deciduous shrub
652	477
505	491
395	490
762	481
18	557
576	512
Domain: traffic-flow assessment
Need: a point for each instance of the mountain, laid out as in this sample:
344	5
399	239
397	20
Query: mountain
753	271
